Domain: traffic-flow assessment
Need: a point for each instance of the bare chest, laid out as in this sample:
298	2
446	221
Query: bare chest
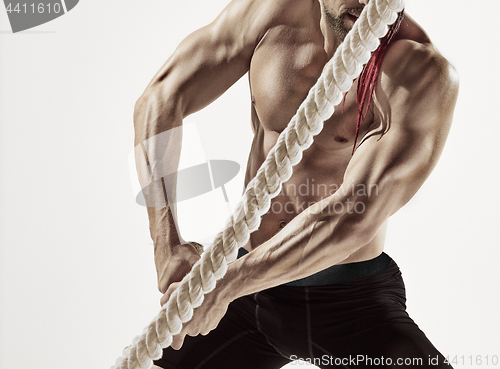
284	67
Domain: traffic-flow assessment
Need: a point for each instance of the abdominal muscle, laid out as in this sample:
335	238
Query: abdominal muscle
317	176
284	67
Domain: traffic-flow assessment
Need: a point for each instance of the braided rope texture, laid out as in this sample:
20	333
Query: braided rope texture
336	79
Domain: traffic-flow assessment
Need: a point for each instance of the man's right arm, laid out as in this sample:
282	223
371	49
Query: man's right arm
203	66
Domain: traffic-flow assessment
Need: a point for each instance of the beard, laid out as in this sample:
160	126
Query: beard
337	23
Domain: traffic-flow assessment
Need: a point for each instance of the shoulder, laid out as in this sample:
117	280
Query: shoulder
415	99
281	10
253	18
418	87
417	66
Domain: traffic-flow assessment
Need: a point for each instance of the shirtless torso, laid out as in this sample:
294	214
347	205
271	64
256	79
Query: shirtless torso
284	45
284	66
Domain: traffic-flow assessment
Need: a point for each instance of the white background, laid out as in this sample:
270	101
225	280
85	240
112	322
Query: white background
77	279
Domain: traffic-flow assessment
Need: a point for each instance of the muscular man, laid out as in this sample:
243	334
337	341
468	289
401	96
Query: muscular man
314	283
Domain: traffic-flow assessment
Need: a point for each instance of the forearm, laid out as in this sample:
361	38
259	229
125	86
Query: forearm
320	236
314	240
158	137
163	231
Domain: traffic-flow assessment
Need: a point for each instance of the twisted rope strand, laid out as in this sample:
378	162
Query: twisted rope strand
337	78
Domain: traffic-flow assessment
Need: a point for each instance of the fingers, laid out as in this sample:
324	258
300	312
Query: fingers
207	329
169	292
178	341
197	246
164	299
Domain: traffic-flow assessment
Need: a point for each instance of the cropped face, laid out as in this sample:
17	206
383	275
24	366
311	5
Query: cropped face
342	14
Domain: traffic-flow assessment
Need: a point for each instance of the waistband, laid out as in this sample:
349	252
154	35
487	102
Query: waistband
339	273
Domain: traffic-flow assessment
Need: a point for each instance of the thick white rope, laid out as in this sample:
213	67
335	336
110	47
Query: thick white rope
336	79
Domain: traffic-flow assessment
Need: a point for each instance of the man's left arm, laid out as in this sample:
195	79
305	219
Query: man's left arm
415	100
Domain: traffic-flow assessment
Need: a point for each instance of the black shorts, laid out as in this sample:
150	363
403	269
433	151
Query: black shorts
358	322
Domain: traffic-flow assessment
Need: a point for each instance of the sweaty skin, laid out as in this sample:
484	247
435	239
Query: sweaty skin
335	207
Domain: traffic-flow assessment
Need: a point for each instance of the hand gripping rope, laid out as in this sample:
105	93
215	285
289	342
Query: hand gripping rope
336	79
